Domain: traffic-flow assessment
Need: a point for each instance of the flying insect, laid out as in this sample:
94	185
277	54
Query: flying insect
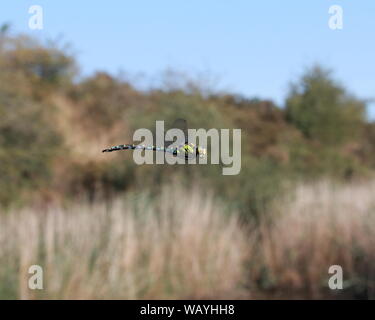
186	150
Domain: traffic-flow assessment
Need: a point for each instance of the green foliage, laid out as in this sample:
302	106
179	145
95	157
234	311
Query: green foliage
28	139
321	132
28	144
323	110
35	68
102	100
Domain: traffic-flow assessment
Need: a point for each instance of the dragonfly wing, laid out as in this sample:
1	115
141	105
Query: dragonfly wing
180	124
190	155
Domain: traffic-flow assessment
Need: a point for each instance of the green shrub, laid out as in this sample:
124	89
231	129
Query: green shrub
28	144
323	110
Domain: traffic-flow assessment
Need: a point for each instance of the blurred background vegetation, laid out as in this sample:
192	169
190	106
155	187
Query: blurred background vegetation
53	128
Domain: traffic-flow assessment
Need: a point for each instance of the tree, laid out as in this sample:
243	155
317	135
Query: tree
322	109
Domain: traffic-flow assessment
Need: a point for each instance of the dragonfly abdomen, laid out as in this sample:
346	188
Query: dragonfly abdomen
133	147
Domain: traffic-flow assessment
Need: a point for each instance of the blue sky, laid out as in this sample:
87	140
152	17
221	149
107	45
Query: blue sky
254	47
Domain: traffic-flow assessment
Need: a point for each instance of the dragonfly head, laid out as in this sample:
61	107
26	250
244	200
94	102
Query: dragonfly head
202	152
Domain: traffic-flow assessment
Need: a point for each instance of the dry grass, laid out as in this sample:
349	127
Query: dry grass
179	246
319	225
183	245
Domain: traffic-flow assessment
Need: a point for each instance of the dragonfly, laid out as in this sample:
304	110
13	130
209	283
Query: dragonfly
186	150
